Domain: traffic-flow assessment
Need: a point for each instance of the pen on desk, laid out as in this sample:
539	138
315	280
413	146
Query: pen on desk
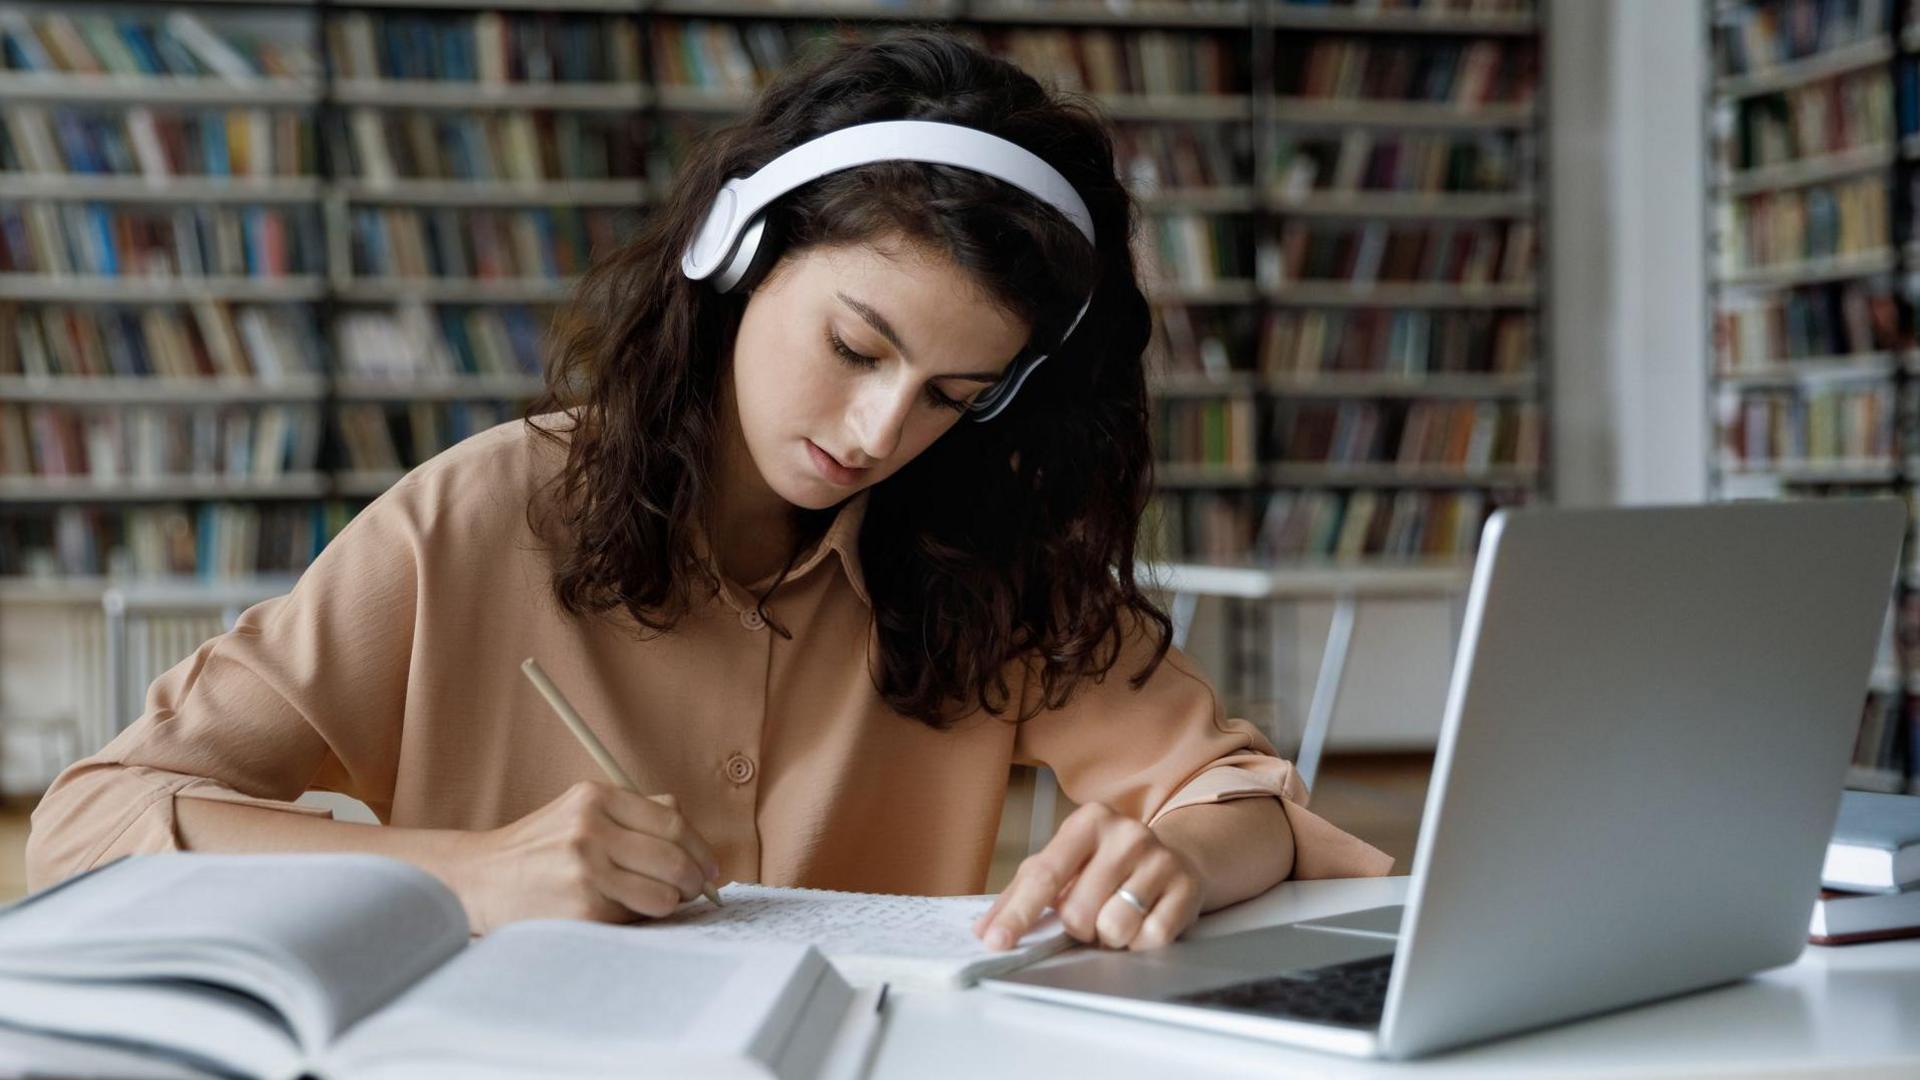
587	739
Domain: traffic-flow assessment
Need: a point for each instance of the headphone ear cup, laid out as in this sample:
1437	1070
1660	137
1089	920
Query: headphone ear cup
751	259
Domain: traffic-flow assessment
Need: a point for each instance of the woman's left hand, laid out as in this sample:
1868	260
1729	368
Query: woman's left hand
1091	872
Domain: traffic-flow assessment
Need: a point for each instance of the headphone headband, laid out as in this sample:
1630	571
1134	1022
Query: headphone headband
724	248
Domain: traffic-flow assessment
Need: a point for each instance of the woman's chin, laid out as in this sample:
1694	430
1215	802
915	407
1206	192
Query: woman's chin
814	493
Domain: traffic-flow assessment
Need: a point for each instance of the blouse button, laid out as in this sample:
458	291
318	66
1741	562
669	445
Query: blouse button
752	620
739	768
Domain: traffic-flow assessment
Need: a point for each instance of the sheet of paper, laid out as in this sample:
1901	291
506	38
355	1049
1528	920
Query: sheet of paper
931	932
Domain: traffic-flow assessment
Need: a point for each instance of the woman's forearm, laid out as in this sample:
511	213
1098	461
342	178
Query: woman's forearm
210	825
1239	848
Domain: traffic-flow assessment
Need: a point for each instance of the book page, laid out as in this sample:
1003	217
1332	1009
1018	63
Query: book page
553	996
323	938
865	934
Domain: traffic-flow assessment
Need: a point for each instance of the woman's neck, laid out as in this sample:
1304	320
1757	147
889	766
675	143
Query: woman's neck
749	549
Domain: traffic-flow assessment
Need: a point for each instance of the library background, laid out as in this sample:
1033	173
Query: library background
259	257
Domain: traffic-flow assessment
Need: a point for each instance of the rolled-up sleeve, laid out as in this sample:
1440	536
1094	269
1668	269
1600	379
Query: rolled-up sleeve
307	691
1149	751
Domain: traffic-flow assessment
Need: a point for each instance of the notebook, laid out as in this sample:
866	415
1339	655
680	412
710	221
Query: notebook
924	941
1875	845
348	965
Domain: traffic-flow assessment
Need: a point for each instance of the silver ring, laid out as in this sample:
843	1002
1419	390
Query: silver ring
1128	896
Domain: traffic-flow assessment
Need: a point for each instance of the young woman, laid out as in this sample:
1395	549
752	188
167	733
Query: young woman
766	543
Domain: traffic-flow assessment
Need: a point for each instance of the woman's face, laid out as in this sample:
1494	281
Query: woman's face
847	360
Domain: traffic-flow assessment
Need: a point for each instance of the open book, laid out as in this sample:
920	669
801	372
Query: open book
346	965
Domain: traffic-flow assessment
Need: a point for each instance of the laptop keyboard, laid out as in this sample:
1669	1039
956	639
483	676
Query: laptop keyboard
1351	994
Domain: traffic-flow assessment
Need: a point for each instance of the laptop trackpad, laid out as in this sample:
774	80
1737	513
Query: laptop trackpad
1188	966
1379	920
1276	949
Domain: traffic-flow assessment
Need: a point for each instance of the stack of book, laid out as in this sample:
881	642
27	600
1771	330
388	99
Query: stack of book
1870	882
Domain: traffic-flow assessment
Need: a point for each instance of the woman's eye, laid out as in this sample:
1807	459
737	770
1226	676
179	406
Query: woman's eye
856	359
862	360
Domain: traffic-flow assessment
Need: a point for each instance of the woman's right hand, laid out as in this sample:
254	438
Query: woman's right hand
597	852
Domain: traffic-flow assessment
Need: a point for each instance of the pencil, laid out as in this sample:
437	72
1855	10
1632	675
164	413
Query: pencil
587	739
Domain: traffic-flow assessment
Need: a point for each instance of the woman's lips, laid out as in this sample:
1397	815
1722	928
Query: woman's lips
831	468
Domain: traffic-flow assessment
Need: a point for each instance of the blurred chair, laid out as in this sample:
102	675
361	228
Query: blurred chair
152	626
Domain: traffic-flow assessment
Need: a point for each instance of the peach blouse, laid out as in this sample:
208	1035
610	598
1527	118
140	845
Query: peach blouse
391	673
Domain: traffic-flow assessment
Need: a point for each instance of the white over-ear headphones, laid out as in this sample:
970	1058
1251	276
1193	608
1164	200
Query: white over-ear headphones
728	243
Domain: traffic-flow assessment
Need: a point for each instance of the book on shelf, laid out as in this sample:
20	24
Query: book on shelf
496	48
1906	98
45	238
1756	38
1213	433
380	145
206	541
1466	435
725	56
410	340
1448	253
143	443
1396	342
1463	74
1193	250
179	43
1832	422
1310	162
1199	341
1424	7
156	143
484	244
1847	218
1213	527
1371	524
1134	63
387	438
1850	113
203	339
1876	745
1755	331
1157	158
329	964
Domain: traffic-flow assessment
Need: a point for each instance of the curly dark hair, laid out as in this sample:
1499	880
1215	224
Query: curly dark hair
1009	541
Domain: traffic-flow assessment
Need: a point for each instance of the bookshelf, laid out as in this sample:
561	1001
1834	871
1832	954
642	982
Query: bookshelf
313	242
1342	217
1810	124
1384	367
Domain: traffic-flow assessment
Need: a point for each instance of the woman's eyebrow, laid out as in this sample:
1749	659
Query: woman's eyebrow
879	322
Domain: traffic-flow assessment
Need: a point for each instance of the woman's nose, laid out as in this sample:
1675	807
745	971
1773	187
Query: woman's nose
883	413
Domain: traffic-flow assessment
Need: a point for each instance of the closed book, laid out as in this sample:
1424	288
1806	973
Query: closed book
1875	845
1845	918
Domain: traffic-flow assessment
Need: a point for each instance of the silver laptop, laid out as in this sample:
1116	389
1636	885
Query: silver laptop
1645	740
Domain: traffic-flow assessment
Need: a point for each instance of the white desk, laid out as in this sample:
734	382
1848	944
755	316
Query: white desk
1852	1011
